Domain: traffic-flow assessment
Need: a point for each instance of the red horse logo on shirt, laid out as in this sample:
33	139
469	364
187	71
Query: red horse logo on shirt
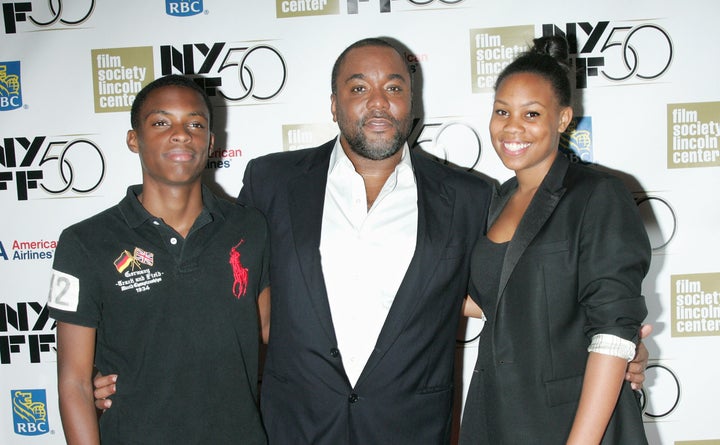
240	273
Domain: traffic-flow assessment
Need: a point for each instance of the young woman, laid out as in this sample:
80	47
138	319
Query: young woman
558	278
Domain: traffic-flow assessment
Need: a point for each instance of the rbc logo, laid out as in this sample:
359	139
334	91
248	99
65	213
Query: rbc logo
10	94
183	8
577	142
29	412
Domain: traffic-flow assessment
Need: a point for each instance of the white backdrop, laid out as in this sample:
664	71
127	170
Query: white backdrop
648	98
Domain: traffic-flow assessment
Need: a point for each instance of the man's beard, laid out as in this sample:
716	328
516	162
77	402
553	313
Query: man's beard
379	149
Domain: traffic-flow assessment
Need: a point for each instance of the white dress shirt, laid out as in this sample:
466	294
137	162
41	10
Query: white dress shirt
365	253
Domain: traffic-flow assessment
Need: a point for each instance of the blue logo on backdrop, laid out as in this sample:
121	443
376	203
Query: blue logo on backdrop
183	8
10	94
577	141
29	412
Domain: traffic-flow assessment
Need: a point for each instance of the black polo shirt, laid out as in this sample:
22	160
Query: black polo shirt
176	318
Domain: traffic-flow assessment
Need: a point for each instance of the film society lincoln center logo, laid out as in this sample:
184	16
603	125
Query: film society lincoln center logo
695	304
693	133
118	75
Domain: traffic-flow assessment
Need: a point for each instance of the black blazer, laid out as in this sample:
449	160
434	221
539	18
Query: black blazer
405	392
573	268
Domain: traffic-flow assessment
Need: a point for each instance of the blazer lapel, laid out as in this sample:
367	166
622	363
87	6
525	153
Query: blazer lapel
541	207
435	203
306	197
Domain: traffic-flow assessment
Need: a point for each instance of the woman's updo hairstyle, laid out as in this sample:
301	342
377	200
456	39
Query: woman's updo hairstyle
547	58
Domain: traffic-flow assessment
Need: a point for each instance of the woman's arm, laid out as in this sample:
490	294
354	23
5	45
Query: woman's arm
614	258
601	387
76	354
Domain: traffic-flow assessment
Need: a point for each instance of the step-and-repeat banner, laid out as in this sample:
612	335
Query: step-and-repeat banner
648	109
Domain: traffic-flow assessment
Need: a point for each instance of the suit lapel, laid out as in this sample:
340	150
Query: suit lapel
541	207
435	203
306	199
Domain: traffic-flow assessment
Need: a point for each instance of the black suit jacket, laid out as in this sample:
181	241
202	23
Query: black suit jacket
573	269
405	392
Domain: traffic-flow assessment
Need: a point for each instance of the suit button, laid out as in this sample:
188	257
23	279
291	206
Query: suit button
353	398
335	352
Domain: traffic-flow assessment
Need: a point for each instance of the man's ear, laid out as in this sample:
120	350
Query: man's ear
211	146
333	107
132	141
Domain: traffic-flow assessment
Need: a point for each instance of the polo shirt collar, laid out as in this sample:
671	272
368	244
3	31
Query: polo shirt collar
136	215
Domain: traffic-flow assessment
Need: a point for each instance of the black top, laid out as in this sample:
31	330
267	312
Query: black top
176	318
485	268
486	265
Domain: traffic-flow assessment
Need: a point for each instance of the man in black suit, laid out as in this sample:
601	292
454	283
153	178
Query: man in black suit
363	353
370	244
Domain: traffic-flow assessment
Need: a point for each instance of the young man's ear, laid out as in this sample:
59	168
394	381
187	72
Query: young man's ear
132	141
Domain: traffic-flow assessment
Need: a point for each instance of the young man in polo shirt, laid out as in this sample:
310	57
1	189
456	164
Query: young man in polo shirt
166	294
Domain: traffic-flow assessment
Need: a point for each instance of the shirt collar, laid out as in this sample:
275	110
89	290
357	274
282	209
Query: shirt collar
338	157
136	215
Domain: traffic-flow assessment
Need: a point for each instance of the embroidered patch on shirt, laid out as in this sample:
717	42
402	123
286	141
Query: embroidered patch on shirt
137	278
240	273
125	260
143	257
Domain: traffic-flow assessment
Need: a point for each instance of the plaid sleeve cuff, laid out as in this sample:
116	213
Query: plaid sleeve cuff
612	345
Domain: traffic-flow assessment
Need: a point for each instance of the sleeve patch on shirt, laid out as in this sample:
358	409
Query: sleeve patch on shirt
64	291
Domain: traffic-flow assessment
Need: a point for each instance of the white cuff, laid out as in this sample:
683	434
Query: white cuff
612	345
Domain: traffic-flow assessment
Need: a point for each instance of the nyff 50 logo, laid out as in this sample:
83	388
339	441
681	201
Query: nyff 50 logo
10	91
66	13
232	71
26	333
450	141
55	165
616	52
183	8
29	411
